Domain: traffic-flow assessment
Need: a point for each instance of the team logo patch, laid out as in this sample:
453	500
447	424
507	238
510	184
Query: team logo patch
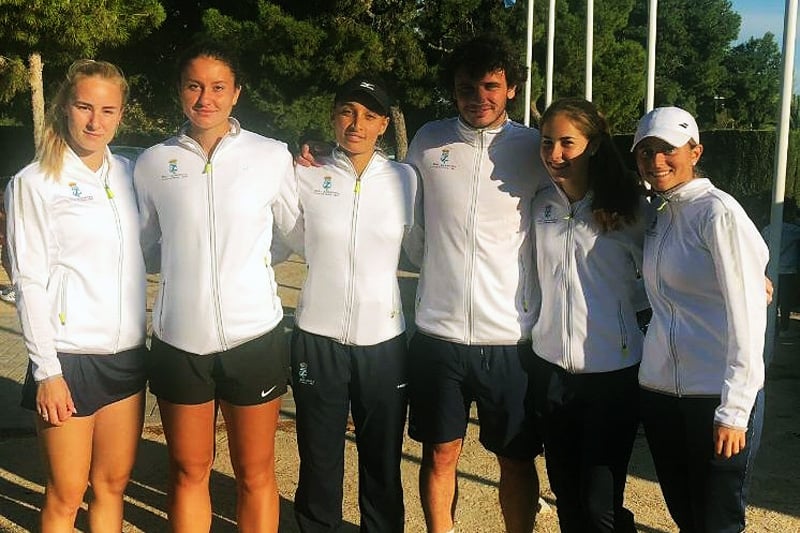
444	160
547	215
327	187
173	172
302	375
77	193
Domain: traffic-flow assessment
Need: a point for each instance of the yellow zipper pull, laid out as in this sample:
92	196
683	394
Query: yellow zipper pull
357	188
62	317
207	168
109	192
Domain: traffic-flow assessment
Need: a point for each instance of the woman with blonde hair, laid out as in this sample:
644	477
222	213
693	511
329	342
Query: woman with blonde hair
79	275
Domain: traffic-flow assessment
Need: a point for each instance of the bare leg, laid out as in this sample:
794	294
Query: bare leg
251	438
67	453
189	430
437	484
519	494
117	430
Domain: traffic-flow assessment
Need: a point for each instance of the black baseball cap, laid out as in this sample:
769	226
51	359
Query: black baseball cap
366	91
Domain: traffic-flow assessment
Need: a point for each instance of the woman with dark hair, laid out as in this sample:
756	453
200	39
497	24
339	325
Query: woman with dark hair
208	200
77	266
588	251
702	369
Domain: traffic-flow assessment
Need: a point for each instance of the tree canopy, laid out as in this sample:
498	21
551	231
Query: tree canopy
296	53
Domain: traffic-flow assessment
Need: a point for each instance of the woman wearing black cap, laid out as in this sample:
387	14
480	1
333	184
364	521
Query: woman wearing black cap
349	347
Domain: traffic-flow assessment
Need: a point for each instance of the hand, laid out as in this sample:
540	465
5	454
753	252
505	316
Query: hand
54	401
309	151
728	441
770	289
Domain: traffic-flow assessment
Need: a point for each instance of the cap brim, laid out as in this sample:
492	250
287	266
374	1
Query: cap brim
366	99
671	137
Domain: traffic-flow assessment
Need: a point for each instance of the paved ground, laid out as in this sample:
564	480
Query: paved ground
775	495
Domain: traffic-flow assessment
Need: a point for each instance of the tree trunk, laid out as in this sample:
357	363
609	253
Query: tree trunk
37	95
400	133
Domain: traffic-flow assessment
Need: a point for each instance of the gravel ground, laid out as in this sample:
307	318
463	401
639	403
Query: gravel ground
775	491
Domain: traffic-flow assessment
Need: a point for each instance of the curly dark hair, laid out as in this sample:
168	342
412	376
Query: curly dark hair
480	55
615	187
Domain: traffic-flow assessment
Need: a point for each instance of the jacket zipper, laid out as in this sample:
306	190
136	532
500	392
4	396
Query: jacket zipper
208	170
568	246
351	264
161	308
62	315
672	348
623	331
120	235
471	241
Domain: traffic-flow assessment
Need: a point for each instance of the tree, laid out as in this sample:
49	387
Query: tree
57	32
618	67
752	87
296	54
693	39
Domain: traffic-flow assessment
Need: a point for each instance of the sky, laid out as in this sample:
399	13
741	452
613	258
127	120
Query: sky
761	16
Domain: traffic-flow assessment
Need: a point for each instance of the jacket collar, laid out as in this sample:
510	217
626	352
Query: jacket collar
73	163
341	160
688	191
234	130
473	135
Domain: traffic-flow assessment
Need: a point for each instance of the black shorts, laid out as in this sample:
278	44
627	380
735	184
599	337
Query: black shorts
95	381
252	373
446	377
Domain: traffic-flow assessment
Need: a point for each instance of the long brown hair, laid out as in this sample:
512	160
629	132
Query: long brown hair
615	188
50	152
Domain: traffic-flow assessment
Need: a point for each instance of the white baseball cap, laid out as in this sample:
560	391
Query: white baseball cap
670	124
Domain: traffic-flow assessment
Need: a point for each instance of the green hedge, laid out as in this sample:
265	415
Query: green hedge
742	164
739	162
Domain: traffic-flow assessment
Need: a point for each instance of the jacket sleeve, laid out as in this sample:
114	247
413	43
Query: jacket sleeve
287	213
740	257
414	240
149	226
29	243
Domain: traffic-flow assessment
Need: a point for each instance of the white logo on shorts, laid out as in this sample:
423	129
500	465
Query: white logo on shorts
265	393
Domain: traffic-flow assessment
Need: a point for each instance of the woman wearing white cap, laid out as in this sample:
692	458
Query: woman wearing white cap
349	346
702	368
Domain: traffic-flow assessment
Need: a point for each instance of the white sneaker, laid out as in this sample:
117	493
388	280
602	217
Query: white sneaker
8	294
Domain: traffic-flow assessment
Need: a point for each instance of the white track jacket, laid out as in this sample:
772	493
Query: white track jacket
211	221
704	264
476	280
76	261
354	228
591	287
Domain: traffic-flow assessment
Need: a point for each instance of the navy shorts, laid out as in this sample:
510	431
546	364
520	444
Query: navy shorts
95	381
252	373
446	377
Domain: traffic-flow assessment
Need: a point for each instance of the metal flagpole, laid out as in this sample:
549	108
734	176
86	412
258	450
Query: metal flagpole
529	63
651	55
589	47
779	183
551	35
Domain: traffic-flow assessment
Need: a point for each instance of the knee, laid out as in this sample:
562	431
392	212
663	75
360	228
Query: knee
441	457
253	480
112	485
517	468
190	472
64	501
